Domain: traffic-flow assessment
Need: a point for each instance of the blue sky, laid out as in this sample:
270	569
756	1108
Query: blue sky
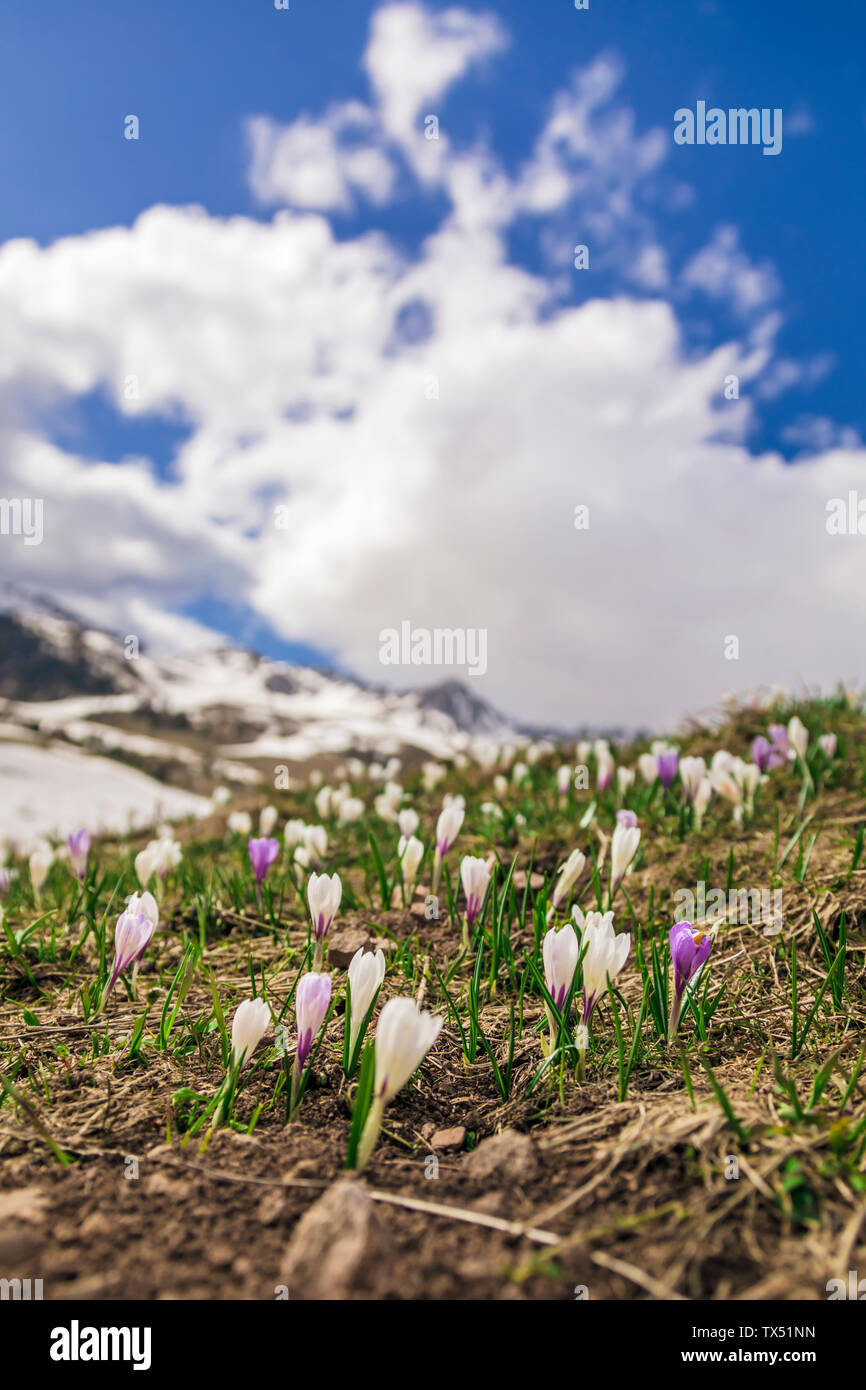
195	72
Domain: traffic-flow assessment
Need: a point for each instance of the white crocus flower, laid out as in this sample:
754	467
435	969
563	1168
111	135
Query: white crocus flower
475	876
411	853
447	829
351	810
568	876
366	973
624	779
324	892
604	958
293	833
692	773
623	848
703	796
431	773
240	823
315	842
798	737
560	951
40	862
725	783
648	767
249	1025
267	820
408	823
404	1036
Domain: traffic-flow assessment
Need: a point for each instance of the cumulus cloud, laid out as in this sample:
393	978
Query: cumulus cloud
376	436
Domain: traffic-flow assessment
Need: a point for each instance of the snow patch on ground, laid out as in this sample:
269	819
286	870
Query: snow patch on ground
53	791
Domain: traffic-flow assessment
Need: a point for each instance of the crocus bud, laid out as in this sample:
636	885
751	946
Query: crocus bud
79	848
560	951
692	773
798	737
316	842
726	784
703	796
404	1036
408	823
351	809
293	833
604	958
411	853
249	1025
312	998
568	876
447	830
626	818
648	767
39	863
563	779
366	973
131	938
624	779
267	819
605	768
324	892
475	877
667	764
448	827
827	744
689	952
779	734
623	848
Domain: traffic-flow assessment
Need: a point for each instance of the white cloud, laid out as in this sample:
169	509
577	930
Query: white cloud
414	55
281	348
722	271
319	164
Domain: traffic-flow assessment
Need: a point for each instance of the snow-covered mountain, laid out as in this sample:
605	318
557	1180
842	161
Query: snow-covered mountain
218	714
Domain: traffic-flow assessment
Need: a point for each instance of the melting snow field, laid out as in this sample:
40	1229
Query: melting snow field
52	791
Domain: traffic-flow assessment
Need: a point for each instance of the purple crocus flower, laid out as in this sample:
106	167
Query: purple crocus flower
262	855
312	998
131	939
667	764
79	848
626	818
779	734
764	754
689	952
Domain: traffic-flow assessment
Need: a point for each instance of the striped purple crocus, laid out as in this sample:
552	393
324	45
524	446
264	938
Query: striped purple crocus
79	848
131	939
667	764
689	952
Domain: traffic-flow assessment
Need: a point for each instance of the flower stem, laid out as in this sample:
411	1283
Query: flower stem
370	1134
